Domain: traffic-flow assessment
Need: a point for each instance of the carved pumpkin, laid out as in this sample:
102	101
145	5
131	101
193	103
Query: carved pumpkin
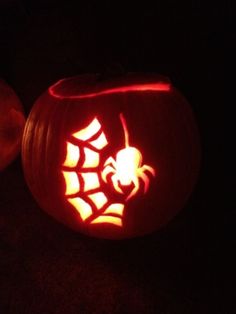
112	159
12	122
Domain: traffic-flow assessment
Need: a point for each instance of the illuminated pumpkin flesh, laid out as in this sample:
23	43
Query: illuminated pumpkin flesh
12	122
123	171
112	159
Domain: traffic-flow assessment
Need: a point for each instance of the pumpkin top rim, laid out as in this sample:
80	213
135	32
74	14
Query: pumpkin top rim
91	85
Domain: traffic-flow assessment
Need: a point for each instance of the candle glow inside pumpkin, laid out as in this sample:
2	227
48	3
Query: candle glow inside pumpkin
89	199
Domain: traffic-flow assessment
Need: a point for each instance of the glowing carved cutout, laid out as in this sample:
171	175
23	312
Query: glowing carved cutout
124	170
91	158
72	182
108	219
72	155
116	209
99	199
89	131
100	142
127	168
160	86
91	181
81	206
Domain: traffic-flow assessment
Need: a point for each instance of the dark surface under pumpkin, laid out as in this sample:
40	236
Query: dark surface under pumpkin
161	126
12	123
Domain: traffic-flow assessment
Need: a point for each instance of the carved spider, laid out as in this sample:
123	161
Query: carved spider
127	168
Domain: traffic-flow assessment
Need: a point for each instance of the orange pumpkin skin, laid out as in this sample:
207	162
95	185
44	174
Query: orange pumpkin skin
12	122
72	164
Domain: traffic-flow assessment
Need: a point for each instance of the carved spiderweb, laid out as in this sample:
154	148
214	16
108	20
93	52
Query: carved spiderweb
82	175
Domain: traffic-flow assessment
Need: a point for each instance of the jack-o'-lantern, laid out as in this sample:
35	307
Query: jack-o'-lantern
112	159
12	122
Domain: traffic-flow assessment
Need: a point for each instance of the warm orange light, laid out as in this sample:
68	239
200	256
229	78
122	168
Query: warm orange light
72	182
99	199
100	142
124	170
127	168
108	219
91	158
160	86
91	181
83	208
72	155
116	209
89	131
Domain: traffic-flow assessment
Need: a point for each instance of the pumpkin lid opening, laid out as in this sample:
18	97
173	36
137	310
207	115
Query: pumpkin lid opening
86	86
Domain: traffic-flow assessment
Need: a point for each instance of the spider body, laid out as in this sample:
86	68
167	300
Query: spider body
127	168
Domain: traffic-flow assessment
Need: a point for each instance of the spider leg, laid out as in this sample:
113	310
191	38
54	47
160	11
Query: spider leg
111	161
145	179
149	169
107	170
114	180
135	180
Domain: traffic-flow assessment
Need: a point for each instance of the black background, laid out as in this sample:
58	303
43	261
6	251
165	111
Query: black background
184	268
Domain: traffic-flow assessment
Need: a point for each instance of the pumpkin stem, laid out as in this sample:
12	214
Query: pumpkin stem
124	125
